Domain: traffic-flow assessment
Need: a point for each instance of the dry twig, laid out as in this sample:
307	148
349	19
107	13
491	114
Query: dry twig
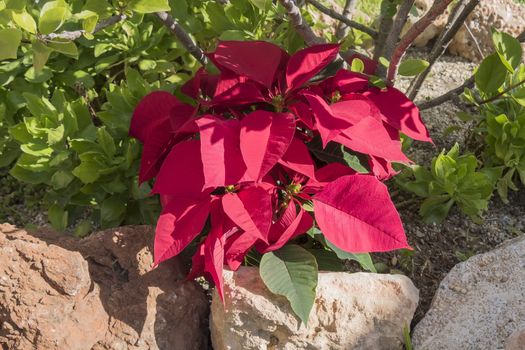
438	8
454	23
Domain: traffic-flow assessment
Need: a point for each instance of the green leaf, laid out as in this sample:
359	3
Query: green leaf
327	260
68	48
112	211
58	217
262	4
40	55
435	209
17	5
491	74
51	18
364	259
292	272
10	39
384	62
61	179
25	21
106	141
87	171
411	67
508	49
148	6
357	65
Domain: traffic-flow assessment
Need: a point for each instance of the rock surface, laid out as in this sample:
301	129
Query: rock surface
352	311
480	304
474	40
57	292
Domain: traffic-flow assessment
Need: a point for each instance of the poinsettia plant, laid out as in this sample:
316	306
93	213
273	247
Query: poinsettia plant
273	152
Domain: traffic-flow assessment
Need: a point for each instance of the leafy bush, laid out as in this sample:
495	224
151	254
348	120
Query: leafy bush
68	89
451	179
238	168
496	141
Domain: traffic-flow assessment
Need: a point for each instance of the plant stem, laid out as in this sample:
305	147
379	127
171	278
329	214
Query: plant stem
301	26
73	35
393	36
348	10
438	8
353	24
184	38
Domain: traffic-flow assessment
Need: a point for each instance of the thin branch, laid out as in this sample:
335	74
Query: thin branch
475	40
73	35
348	10
301	26
385	25
456	91
461	11
469	83
395	32
438	8
182	36
353	24
495	97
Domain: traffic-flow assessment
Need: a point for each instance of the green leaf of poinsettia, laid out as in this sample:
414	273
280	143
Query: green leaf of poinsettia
292	272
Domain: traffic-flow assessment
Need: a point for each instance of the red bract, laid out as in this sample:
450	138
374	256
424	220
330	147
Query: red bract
236	170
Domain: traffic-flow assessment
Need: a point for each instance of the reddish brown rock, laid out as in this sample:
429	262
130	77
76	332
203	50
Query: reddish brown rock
57	292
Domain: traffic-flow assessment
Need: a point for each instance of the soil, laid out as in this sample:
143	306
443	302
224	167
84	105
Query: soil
437	248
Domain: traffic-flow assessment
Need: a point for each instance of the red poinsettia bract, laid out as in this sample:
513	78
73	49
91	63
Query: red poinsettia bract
239	166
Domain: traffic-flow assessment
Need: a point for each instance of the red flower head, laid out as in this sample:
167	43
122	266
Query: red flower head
239	167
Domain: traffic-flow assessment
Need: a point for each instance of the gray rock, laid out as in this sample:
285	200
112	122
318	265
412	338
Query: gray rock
479	304
352	311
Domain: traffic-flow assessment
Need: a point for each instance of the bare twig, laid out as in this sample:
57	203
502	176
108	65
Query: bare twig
395	31
456	91
348	10
454	23
475	40
301	26
182	36
347	21
469	83
438	8
495	97
73	35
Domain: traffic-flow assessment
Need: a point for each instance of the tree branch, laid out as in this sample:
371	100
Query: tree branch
454	23
301	26
438	8
469	83
73	35
457	91
182	36
385	25
353	24
395	31
348	10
